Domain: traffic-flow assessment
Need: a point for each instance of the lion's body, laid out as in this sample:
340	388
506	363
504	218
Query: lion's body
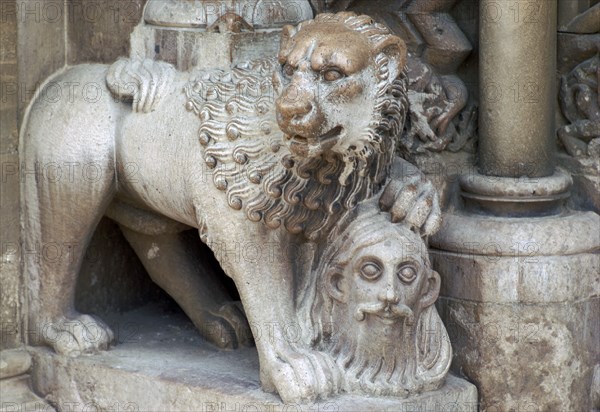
253	174
147	161
152	162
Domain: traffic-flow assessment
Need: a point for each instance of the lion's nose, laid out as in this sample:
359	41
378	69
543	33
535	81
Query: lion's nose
294	105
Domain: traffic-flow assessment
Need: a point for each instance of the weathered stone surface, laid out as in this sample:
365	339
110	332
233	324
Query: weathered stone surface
162	364
10	311
98	31
585	193
193	49
520	296
526	356
17	396
208	14
14	362
9	94
10	253
43	50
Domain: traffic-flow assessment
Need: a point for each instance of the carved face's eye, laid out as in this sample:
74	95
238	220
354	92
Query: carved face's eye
331	75
407	273
288	70
370	270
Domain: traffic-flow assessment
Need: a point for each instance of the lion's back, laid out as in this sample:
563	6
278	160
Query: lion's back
72	117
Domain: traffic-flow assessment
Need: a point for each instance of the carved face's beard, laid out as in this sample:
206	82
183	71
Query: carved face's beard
376	358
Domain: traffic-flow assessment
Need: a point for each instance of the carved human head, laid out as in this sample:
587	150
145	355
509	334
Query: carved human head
382	279
373	309
337	82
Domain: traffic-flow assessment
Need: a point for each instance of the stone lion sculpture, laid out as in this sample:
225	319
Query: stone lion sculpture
370	306
214	150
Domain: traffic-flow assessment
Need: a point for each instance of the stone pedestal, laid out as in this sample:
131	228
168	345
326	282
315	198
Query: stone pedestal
187	49
213	34
162	364
520	301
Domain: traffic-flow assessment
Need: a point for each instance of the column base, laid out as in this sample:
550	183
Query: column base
520	301
515	197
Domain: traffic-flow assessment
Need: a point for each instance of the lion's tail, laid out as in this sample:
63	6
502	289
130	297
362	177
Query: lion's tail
142	81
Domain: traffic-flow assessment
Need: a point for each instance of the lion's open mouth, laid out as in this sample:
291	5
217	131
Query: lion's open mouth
304	145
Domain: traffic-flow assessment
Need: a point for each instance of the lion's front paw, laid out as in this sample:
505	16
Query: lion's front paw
305	376
413	200
78	334
226	326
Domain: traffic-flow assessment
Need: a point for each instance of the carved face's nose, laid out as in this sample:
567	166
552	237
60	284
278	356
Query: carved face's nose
390	295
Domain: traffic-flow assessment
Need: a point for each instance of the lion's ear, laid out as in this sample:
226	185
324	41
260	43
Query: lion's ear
285	46
336	286
431	290
395	48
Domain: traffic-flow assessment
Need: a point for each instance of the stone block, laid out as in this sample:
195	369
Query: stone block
554	346
187	49
41	45
17	396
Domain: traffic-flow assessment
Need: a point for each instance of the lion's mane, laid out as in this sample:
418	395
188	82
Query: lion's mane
245	154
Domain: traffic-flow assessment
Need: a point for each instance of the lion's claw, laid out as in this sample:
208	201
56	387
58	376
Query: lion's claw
226	326
413	200
305	376
76	335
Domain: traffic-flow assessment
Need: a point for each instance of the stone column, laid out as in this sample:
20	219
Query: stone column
516	70
516	118
519	269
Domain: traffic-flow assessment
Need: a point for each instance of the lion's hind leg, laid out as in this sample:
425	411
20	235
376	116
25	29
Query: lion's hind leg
67	180
179	268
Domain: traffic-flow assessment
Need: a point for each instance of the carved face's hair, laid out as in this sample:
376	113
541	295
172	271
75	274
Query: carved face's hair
368	229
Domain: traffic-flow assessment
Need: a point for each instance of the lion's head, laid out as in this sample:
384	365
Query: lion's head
370	304
325	143
340	78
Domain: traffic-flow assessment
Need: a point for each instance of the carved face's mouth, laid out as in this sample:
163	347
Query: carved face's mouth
311	146
388	317
388	314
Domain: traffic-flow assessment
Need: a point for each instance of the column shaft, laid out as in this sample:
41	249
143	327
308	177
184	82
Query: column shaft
517	87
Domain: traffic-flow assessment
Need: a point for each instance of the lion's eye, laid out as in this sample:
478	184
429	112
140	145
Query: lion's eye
407	273
370	271
288	70
332	75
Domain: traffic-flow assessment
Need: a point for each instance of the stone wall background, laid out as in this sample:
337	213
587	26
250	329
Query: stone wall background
10	331
37	38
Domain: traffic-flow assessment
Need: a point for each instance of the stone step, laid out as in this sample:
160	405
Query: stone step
161	364
17	396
